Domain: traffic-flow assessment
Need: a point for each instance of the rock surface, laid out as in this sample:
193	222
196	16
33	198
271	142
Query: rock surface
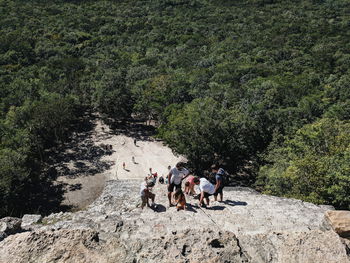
10	225
29	220
247	227
340	221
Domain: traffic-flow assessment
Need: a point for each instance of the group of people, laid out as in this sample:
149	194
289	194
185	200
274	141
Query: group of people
174	182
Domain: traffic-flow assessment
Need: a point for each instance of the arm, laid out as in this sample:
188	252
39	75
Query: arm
188	173
169	177
201	198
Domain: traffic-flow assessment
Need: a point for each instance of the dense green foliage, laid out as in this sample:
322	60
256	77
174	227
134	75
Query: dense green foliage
229	81
313	165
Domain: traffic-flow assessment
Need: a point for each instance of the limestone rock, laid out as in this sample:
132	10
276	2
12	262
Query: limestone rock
28	220
340	221
10	225
79	246
247	227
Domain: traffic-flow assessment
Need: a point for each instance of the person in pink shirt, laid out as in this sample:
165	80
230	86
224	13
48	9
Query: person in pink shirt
189	185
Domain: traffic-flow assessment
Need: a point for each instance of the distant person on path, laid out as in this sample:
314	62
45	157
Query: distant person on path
189	185
146	194
133	159
135	142
124	165
180	200
207	189
175	177
219	181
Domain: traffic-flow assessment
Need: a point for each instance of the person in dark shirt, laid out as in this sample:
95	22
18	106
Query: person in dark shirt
219	181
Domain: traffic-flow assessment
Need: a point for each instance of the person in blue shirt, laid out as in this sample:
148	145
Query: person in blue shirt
219	181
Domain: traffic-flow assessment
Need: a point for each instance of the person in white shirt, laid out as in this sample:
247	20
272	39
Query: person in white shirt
207	189
175	177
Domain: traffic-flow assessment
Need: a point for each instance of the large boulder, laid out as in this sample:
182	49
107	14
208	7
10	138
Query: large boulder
340	221
78	246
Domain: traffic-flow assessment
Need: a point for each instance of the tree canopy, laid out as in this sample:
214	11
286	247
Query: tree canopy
226	81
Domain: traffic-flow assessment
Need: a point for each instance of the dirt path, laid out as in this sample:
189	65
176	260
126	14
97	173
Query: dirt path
147	154
84	172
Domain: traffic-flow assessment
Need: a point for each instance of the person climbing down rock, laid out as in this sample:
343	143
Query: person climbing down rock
207	189
180	200
219	181
146	194
189	185
175	177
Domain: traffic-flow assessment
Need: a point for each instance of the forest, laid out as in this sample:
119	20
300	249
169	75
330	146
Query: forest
263	84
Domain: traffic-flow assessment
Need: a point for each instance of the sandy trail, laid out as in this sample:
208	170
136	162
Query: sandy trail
147	154
84	188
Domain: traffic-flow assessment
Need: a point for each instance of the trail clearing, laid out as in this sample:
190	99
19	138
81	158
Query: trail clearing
86	165
147	154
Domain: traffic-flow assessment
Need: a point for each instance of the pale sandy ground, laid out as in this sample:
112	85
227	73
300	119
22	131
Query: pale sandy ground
84	189
147	154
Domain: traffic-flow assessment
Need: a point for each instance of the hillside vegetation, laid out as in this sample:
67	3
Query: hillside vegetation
228	81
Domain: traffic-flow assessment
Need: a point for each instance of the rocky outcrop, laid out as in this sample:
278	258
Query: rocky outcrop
29	220
340	221
247	227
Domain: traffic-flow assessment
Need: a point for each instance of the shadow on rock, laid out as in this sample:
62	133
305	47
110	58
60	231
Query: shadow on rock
160	208
217	207
190	208
234	203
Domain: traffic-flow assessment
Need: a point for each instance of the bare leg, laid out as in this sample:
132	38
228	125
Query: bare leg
207	199
152	198
186	190
143	203
201	201
192	191
221	197
215	197
169	197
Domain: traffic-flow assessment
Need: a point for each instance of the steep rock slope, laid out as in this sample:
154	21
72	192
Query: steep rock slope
247	227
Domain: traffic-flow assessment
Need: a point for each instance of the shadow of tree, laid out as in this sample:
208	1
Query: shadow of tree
134	128
78	156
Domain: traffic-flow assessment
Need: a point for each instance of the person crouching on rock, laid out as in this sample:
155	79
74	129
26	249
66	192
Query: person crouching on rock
175	177
207	189
146	194
180	200
189	185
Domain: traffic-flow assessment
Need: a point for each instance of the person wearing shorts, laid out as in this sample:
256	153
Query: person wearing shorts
207	189
175	177
219	181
